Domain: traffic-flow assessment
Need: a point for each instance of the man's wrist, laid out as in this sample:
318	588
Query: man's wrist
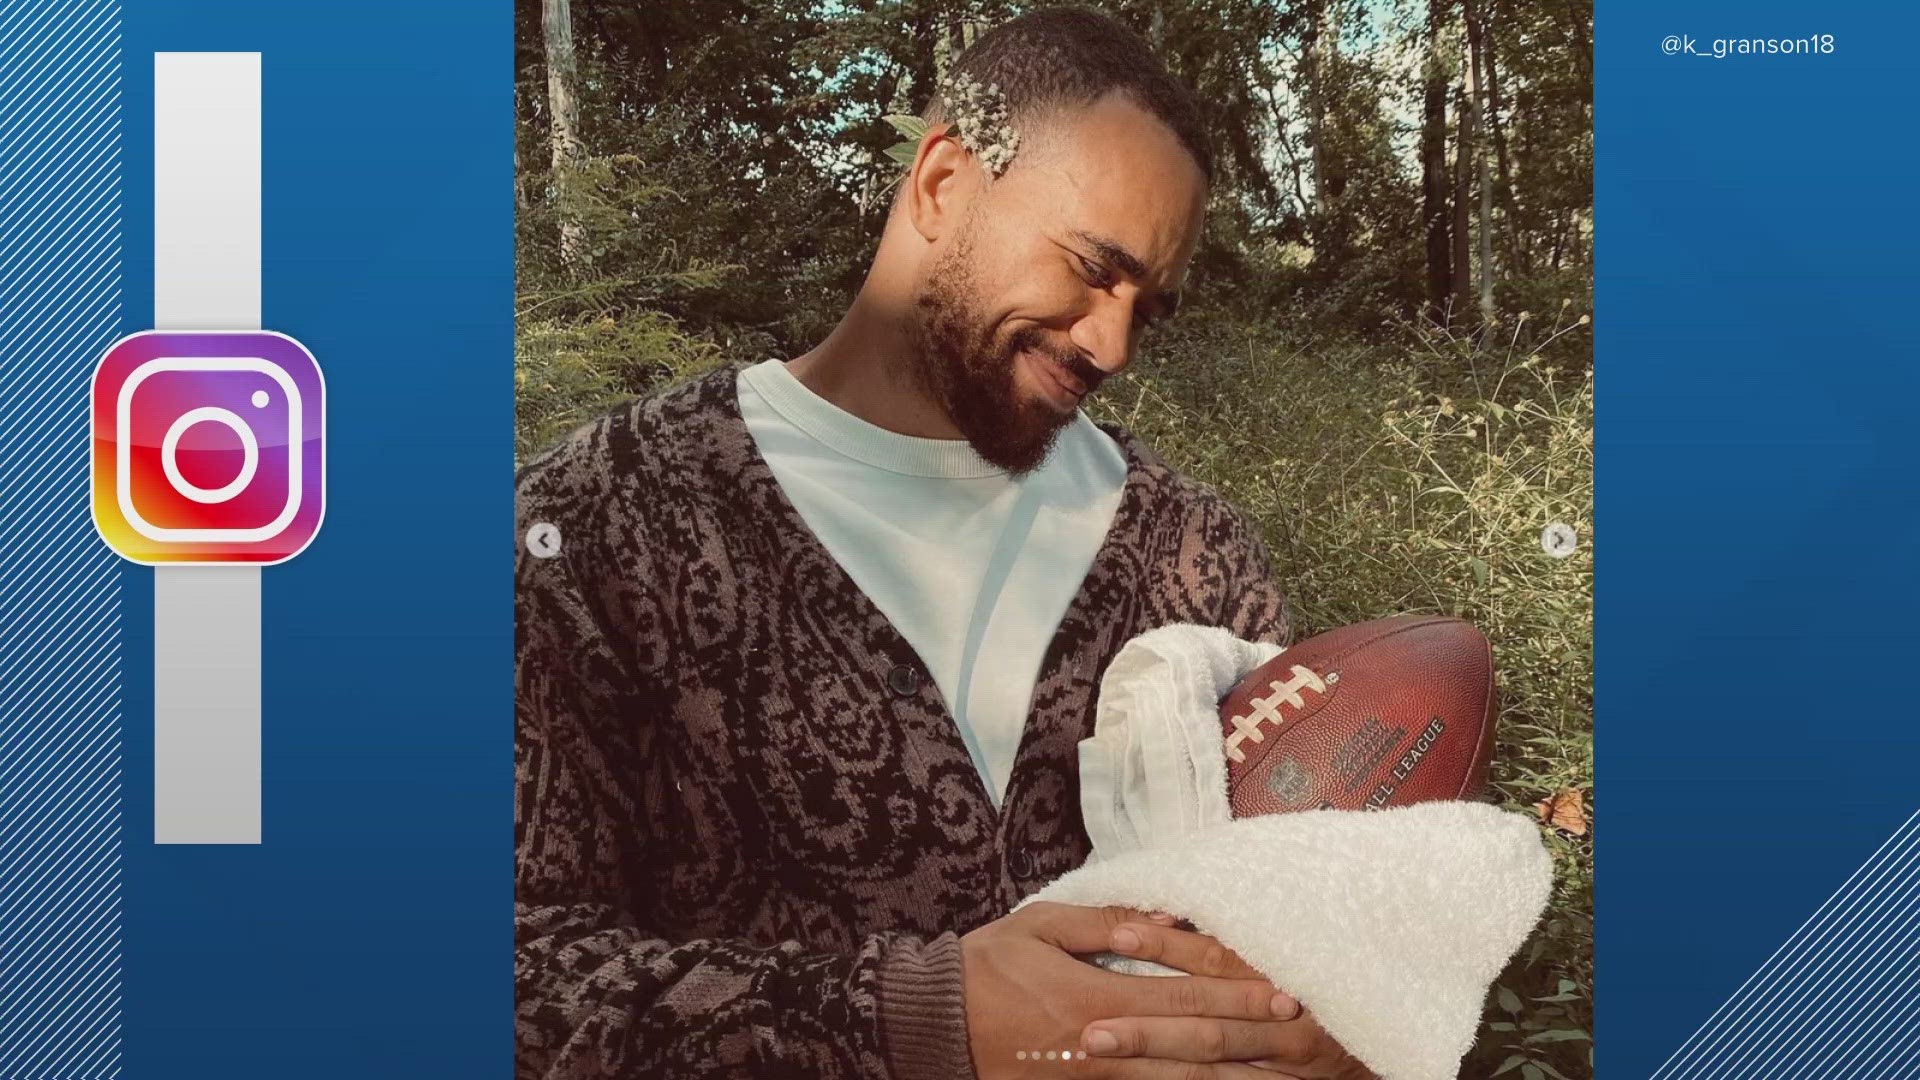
923	1013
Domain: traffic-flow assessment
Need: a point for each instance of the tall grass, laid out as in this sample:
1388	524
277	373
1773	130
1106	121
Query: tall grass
567	371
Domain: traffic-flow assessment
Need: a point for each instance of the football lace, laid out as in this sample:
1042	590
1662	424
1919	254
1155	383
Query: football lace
1263	710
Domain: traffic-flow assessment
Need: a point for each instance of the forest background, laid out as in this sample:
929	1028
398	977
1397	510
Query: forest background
1385	353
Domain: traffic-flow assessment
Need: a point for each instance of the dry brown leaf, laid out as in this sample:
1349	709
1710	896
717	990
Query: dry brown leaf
1566	811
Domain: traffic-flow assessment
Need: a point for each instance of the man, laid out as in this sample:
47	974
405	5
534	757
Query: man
798	701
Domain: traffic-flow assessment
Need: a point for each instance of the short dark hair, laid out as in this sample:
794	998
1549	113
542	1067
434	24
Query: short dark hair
1064	57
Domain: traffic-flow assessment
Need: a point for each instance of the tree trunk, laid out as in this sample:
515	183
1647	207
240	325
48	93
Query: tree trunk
1320	59
949	42
1333	166
1475	81
519	177
563	107
1433	169
1293	159
1517	248
1462	193
923	72
1582	42
1310	48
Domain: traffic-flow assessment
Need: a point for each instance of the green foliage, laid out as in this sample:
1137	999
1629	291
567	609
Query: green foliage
912	129
567	372
767	134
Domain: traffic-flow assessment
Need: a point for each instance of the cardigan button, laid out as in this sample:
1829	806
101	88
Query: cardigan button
1020	864
903	680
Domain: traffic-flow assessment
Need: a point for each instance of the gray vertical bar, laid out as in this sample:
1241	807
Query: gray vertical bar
206	619
206	191
206	705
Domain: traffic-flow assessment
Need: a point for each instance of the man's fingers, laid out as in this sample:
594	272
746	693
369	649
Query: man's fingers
1196	995
1195	954
1182	1038
1290	1048
1079	929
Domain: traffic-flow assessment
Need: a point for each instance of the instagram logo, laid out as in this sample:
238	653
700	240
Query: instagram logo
208	447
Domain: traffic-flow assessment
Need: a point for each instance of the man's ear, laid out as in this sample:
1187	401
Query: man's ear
941	181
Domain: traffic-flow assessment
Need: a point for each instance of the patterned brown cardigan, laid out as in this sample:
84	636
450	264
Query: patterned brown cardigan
748	833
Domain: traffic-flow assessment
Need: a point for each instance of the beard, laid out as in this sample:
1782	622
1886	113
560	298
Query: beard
961	362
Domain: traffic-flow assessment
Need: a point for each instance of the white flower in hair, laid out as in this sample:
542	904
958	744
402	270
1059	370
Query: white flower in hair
980	115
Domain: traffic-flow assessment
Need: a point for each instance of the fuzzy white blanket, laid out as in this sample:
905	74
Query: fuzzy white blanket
1389	925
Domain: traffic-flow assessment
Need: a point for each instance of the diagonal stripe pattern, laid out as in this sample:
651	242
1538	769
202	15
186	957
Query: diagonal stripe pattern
60	752
1840	999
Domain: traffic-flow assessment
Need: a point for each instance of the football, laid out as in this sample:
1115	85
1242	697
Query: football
1367	716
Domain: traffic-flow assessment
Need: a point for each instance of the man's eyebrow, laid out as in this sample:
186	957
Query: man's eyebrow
1128	263
1112	252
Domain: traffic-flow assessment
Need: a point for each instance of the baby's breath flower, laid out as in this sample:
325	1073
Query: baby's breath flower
980	117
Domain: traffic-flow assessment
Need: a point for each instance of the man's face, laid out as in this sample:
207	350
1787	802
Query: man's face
1043	291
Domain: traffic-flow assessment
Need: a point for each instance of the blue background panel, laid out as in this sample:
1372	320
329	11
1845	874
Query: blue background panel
370	935
1756	458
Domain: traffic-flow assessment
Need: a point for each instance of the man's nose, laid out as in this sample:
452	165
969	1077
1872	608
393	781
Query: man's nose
1106	335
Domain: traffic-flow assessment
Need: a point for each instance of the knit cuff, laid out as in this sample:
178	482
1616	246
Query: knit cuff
923	1013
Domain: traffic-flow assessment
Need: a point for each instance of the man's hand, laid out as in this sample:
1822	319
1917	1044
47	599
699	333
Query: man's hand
1027	994
1294	1046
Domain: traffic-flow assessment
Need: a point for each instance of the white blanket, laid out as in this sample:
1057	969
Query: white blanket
1389	925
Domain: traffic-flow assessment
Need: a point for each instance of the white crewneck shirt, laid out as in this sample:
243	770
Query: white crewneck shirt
973	567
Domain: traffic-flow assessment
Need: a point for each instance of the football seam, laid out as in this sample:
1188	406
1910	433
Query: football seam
1425	621
1485	735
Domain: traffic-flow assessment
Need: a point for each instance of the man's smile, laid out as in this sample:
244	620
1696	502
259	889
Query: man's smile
1061	389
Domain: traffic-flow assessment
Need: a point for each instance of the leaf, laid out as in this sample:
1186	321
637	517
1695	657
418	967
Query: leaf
1509	1000
1517	1059
911	127
1556	1035
1566	811
903	152
1532	1072
1479	570
1500	1025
